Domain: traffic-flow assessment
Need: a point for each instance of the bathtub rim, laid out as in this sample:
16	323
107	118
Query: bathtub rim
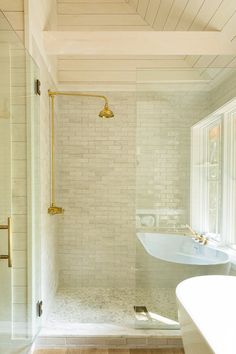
210	246
190	303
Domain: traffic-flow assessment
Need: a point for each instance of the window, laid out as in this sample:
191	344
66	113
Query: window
213	177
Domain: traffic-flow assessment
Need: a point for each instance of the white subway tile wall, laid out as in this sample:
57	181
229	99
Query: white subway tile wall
225	91
96	178
96	187
164	120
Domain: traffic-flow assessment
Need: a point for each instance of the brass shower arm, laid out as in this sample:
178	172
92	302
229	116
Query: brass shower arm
53	209
64	93
105	113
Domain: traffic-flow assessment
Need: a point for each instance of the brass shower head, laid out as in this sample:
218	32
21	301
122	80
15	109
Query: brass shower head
106	112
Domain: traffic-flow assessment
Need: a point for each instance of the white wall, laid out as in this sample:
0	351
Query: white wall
224	91
16	107
164	120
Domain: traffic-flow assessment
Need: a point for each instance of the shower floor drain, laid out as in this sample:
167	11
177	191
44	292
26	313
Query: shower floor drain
142	314
140	309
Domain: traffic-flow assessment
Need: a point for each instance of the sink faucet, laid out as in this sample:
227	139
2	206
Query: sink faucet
197	237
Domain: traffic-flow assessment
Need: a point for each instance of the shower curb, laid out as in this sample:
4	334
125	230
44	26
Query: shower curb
160	340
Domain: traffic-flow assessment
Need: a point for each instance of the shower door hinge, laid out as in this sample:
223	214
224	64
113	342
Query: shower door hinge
39	308
37	87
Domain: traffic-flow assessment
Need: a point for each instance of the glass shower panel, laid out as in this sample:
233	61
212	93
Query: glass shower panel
95	164
19	192
169	103
5	190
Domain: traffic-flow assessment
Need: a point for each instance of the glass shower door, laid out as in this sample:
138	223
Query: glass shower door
19	194
167	107
158	144
5	196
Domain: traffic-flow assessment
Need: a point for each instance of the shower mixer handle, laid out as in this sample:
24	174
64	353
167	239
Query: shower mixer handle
54	210
197	237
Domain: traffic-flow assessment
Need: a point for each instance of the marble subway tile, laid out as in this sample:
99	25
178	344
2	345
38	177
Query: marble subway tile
134	341
90	341
51	341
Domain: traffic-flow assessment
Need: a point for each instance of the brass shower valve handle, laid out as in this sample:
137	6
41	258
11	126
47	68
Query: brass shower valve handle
54	210
201	239
197	237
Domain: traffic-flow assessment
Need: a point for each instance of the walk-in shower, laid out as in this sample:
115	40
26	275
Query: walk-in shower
165	194
118	181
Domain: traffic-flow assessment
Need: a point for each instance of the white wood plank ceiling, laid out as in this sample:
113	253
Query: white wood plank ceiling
140	15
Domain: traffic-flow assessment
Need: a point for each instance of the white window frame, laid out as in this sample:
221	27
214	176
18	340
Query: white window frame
226	116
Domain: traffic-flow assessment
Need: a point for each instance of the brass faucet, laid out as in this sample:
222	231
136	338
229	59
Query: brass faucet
197	237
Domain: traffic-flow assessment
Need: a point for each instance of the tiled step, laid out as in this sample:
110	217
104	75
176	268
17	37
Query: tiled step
110	351
106	336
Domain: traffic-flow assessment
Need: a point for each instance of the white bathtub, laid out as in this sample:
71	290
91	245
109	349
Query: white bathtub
181	249
163	261
207	314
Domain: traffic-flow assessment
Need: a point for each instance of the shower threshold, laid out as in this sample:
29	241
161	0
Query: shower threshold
97	335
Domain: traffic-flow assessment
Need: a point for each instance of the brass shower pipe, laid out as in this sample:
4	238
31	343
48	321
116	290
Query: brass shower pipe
105	113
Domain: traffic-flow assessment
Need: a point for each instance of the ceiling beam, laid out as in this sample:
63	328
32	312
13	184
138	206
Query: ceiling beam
138	43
